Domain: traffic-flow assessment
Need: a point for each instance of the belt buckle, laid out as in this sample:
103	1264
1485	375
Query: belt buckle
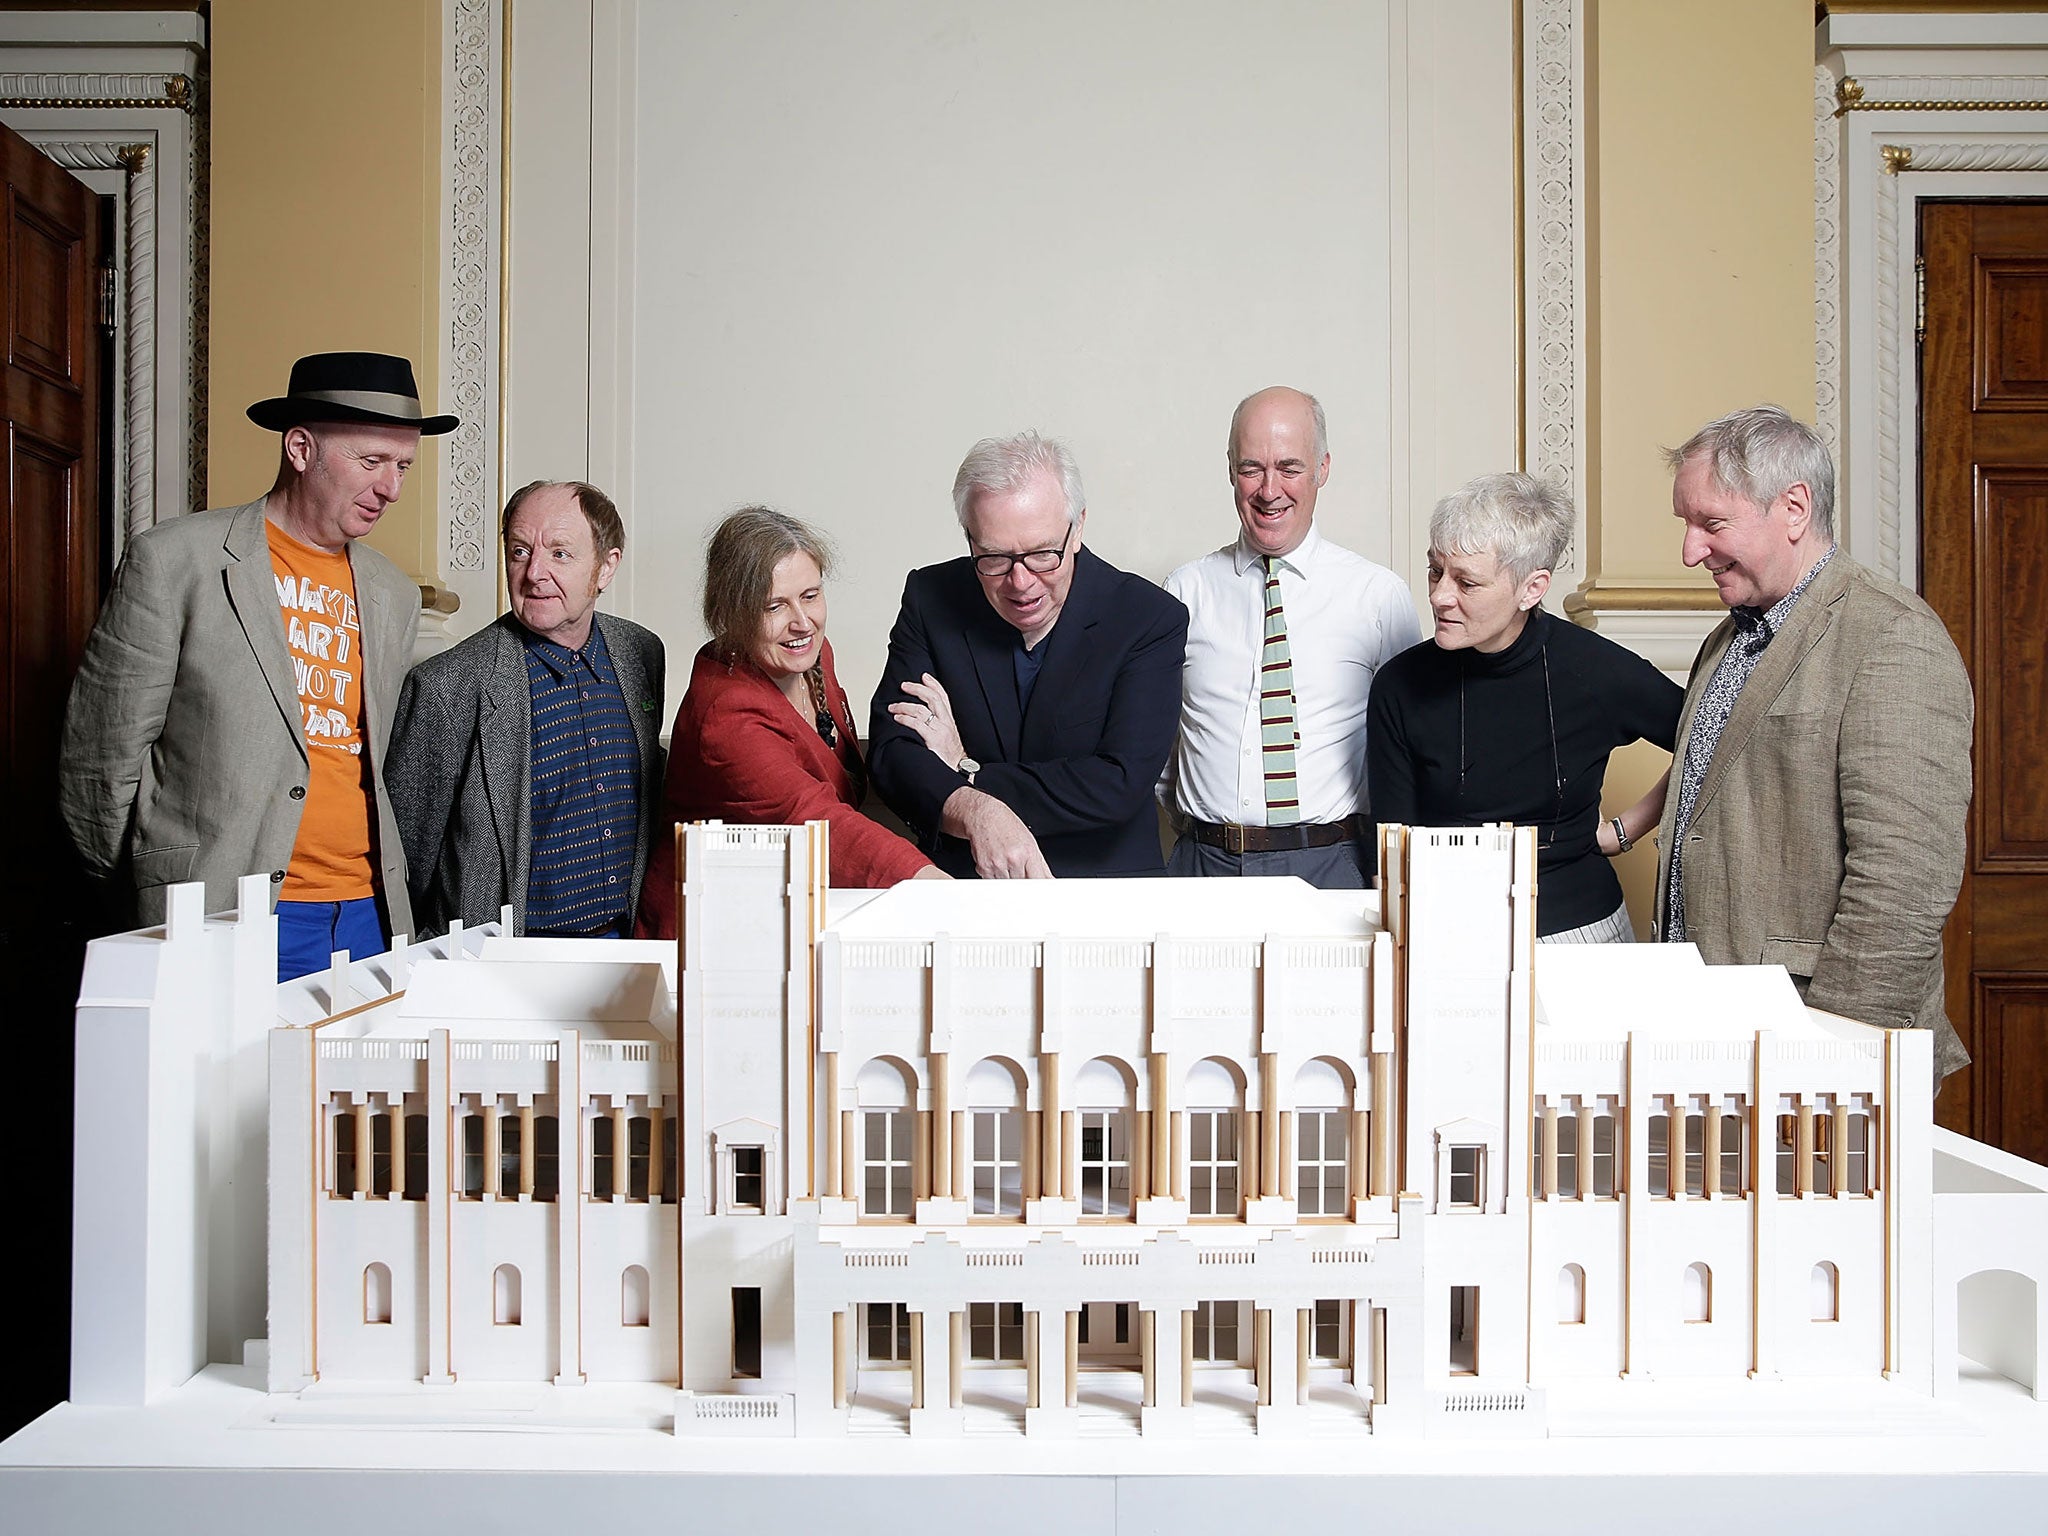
1233	838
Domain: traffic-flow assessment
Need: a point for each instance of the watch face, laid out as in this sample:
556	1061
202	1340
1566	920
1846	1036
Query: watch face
968	766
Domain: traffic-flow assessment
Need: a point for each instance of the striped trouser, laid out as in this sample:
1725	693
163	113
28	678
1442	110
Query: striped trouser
1614	928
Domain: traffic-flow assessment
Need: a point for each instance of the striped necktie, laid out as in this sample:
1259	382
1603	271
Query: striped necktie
1277	733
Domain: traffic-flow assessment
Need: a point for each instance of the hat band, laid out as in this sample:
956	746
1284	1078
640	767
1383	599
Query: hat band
404	406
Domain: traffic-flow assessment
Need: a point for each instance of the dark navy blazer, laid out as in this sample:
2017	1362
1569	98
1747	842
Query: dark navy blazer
1079	766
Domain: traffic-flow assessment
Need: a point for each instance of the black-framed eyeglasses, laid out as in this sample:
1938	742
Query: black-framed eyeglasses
1039	562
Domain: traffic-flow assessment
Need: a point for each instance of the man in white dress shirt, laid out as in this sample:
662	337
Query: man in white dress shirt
1285	634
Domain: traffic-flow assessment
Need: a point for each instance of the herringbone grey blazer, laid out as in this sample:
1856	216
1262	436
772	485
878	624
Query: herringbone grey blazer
1828	836
184	754
460	783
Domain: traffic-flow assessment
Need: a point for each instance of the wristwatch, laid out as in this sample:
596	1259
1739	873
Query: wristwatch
968	766
1621	834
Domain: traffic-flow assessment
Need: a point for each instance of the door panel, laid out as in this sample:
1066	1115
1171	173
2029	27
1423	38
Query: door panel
1984	565
51	351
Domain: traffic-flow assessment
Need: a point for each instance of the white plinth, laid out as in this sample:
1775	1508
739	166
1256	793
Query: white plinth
227	1459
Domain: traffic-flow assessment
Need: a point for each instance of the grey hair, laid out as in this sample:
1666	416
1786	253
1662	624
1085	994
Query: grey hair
739	568
1523	522
1761	453
1004	464
1315	411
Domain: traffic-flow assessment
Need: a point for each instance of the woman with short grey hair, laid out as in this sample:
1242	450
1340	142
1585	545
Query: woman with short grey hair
1511	714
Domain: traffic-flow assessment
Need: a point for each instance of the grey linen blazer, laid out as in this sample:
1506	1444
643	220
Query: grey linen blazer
460	785
184	754
1828	835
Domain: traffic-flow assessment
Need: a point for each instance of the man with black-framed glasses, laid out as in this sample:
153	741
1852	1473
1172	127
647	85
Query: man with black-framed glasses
1032	689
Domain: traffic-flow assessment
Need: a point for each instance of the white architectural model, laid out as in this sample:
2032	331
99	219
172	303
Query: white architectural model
1026	1153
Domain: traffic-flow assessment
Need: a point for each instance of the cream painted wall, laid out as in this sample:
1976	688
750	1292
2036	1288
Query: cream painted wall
1700	159
948	221
325	197
1700	279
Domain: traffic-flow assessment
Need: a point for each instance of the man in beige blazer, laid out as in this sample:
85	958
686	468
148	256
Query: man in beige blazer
1817	805
230	716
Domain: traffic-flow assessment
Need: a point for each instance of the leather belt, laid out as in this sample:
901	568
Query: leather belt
1232	838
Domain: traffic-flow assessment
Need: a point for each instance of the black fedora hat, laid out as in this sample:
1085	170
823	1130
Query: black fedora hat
350	386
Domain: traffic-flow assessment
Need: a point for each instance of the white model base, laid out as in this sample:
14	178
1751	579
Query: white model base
228	1458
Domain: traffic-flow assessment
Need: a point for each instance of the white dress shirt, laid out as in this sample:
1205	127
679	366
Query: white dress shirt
1346	616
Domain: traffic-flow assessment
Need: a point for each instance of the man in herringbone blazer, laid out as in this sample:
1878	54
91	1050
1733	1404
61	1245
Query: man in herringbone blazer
1816	814
526	763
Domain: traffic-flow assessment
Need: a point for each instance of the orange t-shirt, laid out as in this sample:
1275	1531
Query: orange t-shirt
317	591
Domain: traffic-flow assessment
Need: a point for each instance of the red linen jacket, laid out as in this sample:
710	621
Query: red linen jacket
739	753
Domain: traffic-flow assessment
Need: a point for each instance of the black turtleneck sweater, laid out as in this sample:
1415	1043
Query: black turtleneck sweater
1536	722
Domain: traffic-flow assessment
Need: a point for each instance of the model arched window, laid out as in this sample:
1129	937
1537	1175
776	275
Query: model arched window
633	1293
376	1294
1825	1287
1322	1140
1104	1094
1571	1294
888	1113
505	1296
1215	1098
1699	1294
995	1139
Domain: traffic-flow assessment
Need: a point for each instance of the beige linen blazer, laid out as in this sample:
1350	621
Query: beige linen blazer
184	753
1828	835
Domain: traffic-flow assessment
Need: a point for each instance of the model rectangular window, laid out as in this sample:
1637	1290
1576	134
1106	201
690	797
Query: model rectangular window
1695	1150
1823	1150
1322	1140
1464	1330
1468	1184
341	1131
1787	1141
995	1331
1732	1176
1856	1178
1326	1337
996	1146
887	1136
1216	1332
547	1157
1567	1124
746	1332
749	1179
639	1154
415	1157
474	1163
603	1165
1660	1158
509	1127
671	1174
1212	1162
1604	1183
1105	1164
887	1330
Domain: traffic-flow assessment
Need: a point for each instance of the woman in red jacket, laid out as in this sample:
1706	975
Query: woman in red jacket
764	734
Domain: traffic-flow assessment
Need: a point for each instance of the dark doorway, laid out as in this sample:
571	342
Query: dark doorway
52	380
1984	569
746	1332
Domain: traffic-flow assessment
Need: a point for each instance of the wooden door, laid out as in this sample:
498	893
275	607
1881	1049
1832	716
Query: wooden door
51	355
1984	568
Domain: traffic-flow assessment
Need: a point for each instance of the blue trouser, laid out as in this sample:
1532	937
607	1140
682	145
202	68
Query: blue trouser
309	932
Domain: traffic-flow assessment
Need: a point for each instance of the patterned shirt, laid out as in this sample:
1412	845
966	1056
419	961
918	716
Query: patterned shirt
1754	631
585	771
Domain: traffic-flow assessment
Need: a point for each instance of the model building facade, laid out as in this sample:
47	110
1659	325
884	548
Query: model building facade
1149	1146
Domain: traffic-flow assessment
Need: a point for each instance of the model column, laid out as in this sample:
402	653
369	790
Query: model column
1050	1338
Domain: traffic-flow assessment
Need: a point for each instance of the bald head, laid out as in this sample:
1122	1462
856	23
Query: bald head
1279	459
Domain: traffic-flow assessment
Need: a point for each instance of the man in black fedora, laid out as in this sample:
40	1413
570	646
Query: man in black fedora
232	709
